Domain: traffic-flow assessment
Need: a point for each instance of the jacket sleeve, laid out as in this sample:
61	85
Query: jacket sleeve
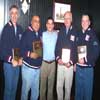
58	47
5	50
74	52
95	50
25	50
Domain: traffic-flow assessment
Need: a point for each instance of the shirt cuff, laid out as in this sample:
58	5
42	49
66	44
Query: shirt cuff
57	58
28	54
9	59
71	63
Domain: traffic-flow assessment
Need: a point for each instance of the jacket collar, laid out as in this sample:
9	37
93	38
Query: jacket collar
11	24
30	28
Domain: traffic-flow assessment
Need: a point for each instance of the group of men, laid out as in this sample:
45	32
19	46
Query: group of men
38	72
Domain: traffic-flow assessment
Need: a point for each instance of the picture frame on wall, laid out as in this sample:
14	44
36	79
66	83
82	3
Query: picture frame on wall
59	10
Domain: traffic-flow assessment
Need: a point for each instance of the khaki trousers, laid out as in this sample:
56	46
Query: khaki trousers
47	80
64	79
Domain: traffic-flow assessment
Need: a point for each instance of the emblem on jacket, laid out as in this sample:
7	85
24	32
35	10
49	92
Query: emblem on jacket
72	38
87	37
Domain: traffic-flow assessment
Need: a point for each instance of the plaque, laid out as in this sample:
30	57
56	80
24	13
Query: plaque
16	54
66	55
82	52
37	48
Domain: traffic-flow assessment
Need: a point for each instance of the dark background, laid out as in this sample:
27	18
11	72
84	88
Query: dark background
44	8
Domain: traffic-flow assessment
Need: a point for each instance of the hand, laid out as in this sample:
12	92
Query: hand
60	62
67	64
81	61
20	62
33	55
14	63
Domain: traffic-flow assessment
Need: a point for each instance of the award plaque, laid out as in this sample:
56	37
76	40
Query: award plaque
37	48
82	52
16	54
66	55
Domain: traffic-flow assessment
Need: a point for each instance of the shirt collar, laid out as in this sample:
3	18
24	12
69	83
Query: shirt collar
88	29
70	28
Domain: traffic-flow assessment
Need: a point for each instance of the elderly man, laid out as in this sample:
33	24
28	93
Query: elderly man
10	40
66	57
32	59
88	52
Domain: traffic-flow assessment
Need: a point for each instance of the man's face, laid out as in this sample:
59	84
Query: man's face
50	25
85	22
35	23
14	15
68	19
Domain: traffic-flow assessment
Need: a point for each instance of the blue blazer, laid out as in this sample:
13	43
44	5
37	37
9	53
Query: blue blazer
26	47
9	41
89	39
66	41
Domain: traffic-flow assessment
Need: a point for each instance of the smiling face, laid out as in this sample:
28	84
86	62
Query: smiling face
35	23
50	25
14	15
68	19
85	22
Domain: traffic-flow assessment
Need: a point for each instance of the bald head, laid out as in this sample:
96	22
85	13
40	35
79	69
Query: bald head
68	19
35	23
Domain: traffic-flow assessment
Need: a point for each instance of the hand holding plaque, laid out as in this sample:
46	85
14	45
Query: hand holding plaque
33	55
37	48
66	55
82	53
14	63
16	54
17	59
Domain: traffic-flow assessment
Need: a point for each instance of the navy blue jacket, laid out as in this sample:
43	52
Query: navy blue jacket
89	39
26	47
66	41
9	41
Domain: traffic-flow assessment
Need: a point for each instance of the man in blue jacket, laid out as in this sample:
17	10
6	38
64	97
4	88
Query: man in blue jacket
66	57
10	39
88	52
31	60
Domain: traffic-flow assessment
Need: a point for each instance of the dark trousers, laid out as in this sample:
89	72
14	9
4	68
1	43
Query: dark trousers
83	83
11	75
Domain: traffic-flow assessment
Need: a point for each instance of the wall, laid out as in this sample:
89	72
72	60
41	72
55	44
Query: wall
44	8
94	9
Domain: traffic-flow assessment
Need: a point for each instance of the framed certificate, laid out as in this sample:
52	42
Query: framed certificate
82	52
59	10
37	48
16	54
66	55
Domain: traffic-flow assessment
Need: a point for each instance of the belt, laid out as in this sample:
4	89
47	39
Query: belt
88	66
49	62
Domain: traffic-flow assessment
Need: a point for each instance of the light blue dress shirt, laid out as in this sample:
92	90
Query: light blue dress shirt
15	27
49	42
